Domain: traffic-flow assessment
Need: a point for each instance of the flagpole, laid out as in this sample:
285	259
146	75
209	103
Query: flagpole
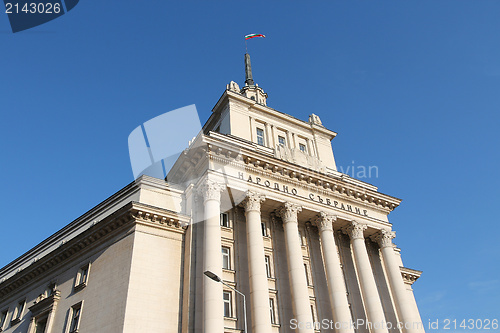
246	46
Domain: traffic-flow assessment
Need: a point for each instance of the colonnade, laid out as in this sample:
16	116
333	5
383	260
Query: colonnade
259	293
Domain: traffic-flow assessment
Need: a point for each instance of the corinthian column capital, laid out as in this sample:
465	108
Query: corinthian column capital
210	190
325	221
384	238
289	212
253	201
355	230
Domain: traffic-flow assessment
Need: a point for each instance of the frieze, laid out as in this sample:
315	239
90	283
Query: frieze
321	199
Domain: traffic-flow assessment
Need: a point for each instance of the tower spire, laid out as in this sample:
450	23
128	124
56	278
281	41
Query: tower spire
248	71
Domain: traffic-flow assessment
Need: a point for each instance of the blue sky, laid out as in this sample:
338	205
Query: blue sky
411	87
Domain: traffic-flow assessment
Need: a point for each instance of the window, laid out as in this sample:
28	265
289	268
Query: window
307	274
268	266
82	277
76	313
272	311
264	229
18	312
41	324
224	220
281	140
302	147
227	304
313	313
3	319
226	258
260	136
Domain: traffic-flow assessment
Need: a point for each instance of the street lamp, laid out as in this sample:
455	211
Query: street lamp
214	277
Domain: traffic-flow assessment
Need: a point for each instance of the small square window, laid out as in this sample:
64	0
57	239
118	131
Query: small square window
272	310
224	220
302	147
82	277
75	315
281	141
307	275
18	312
41	324
264	229
226	258
313	312
227	304
268	266
260	136
3	318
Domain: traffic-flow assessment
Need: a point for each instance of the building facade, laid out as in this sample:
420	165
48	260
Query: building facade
252	227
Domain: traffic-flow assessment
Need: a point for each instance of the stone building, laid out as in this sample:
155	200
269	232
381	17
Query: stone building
255	201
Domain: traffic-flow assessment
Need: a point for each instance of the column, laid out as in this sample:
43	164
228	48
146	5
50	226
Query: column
371	298
269	136
334	274
213	306
273	136
411	321
296	273
259	289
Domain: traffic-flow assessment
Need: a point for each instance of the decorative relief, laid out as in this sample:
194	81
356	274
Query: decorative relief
384	238
289	212
295	155
314	119
145	216
211	190
410	275
253	201
325	221
334	182
356	229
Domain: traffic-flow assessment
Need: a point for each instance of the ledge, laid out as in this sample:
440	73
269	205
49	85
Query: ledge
409	275
129	214
80	286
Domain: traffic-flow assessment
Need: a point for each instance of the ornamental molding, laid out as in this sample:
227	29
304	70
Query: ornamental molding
289	211
243	154
97	233
211	190
356	230
325	221
384	238
45	304
409	275
253	201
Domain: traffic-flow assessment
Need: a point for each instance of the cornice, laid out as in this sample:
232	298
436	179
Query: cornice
409	275
234	155
97	233
74	227
326	184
